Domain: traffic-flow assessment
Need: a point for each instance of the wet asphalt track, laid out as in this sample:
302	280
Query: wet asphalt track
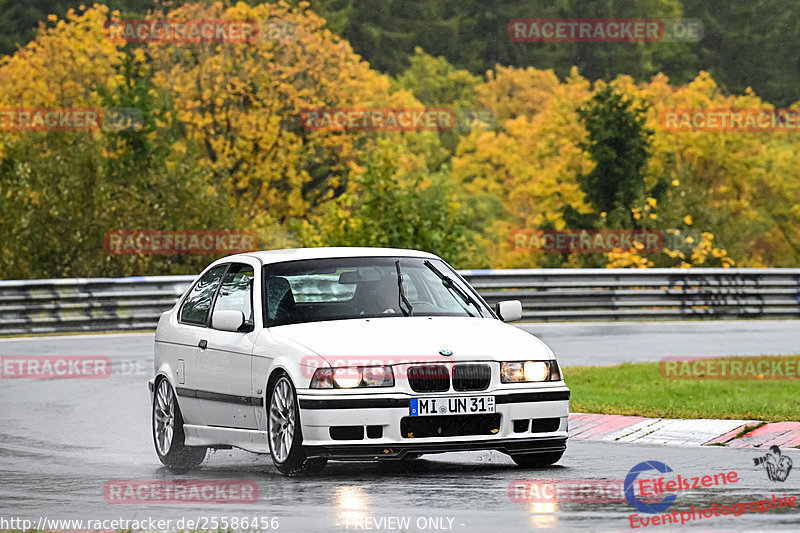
61	441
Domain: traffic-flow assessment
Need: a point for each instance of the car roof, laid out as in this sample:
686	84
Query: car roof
298	254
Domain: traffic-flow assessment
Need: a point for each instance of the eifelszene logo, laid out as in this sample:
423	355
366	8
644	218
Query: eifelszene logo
777	466
630	480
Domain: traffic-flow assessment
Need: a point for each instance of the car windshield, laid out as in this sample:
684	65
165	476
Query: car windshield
366	287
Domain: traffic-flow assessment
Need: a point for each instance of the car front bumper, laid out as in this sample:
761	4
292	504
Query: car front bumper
321	412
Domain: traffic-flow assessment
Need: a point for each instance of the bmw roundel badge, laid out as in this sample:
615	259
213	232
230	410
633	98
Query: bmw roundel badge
446	352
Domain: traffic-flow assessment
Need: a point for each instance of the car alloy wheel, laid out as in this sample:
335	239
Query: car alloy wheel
164	417
284	434
282	419
168	435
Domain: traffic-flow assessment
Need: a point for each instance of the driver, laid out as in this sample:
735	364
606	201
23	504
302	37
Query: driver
388	295
382	297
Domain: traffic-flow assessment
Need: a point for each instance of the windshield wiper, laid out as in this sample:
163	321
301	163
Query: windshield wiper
403	298
451	285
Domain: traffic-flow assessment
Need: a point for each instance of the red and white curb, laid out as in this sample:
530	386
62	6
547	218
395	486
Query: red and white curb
681	432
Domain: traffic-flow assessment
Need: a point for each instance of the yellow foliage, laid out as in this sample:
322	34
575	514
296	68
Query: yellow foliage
63	67
532	161
239	103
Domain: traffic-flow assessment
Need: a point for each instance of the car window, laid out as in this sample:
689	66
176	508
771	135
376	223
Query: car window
197	305
361	287
438	293
410	285
236	293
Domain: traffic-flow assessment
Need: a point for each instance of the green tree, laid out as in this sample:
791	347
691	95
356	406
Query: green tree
436	83
385	209
473	34
750	44
60	193
618	144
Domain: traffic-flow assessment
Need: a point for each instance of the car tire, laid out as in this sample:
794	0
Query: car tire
168	436
283	431
537	460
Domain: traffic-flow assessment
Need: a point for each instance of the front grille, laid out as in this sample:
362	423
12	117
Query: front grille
471	377
429	378
413	427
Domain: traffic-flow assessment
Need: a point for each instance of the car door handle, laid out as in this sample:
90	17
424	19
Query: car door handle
203	344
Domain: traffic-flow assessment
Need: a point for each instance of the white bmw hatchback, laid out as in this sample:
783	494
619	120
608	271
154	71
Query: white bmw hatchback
349	354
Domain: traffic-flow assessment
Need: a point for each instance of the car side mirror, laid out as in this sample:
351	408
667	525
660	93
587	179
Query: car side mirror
227	320
509	310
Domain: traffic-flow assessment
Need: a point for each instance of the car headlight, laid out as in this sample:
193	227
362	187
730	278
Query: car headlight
529	371
352	377
347	377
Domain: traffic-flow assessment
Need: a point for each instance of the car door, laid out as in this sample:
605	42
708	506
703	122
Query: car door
224	361
180	347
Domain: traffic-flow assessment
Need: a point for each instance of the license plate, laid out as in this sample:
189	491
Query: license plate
451	405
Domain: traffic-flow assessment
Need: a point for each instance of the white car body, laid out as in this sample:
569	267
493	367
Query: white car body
221	388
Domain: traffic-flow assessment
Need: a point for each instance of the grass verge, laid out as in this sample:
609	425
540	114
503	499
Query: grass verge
639	389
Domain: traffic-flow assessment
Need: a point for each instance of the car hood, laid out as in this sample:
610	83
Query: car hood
394	339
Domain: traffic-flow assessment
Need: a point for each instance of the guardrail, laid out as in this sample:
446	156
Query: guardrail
87	304
98	304
641	294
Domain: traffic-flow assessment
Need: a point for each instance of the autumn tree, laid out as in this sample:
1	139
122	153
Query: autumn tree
61	191
221	145
244	101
